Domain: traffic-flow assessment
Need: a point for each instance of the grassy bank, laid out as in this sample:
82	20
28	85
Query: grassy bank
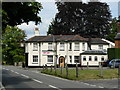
84	74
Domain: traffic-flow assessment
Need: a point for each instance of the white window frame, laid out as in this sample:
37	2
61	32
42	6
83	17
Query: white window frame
70	46
76	59
50	46
102	58
77	46
35	47
35	58
83	46
95	58
84	58
50	59
62	46
100	47
70	57
90	57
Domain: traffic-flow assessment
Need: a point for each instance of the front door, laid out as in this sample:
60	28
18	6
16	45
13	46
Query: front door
61	61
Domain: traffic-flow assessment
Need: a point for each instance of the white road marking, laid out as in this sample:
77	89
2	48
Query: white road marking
37	80
7	69
101	87
11	70
93	85
16	72
25	76
52	86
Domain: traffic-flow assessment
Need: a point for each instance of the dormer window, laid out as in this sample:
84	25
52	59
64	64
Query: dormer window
35	46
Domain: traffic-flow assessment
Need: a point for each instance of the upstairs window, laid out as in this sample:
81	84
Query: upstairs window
62	46
50	46
35	58
83	46
77	48
100	47
35	46
70	46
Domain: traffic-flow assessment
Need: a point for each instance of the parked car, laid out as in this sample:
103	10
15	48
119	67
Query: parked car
105	63
114	63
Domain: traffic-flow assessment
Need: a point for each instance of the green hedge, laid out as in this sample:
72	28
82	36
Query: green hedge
113	53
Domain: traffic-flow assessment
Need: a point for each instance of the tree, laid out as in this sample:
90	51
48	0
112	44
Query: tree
15	13
12	51
87	20
113	30
68	20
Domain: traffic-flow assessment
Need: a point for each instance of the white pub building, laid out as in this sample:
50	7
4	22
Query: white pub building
60	49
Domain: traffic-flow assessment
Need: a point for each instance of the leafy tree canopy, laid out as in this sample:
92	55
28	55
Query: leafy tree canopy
12	50
88	20
15	13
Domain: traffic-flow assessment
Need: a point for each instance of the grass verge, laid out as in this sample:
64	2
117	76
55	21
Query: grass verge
84	74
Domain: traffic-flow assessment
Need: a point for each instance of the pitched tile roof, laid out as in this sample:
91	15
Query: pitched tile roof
51	38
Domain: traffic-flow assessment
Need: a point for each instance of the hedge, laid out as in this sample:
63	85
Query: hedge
113	53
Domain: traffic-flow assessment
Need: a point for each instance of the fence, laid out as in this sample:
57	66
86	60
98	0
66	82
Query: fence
80	72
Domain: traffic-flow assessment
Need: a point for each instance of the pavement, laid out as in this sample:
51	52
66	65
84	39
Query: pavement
16	77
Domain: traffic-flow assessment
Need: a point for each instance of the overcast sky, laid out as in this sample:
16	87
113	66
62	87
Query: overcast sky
48	13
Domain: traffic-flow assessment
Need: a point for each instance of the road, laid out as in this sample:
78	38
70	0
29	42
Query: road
16	77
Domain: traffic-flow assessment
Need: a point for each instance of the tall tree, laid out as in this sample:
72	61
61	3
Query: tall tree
15	13
68	20
87	20
11	48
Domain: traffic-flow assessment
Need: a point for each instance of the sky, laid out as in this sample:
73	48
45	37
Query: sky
48	13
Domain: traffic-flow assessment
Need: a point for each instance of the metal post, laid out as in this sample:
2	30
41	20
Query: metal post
66	70
51	69
61	69
76	70
114	65
119	77
101	69
87	65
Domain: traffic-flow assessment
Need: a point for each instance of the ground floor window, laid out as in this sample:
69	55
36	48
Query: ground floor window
70	59
76	59
35	58
50	59
102	58
96	58
84	58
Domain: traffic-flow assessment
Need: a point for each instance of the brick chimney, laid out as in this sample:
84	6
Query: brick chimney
117	37
36	31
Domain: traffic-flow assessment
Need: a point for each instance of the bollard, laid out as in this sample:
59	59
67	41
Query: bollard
87	65
55	69
101	69
51	69
114	65
66	70
119	76
61	70
76	70
43	67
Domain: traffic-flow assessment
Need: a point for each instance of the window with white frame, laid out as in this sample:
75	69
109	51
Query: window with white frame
102	58
70	59
83	46
84	58
35	58
96	58
50	46
70	46
100	47
62	46
77	47
90	58
50	59
35	46
76	59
